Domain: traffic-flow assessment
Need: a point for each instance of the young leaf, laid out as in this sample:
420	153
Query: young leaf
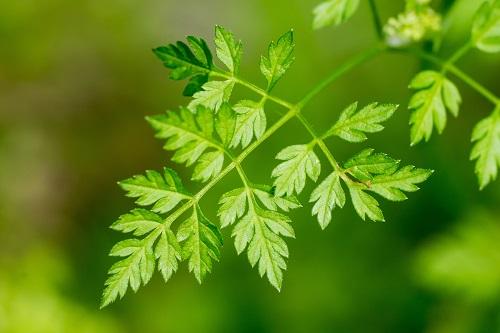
353	125
392	186
486	151
250	121
164	191
190	136
266	195
134	270
300	162
201	241
139	221
259	231
365	204
168	253
279	58
326	196
233	205
225	124
212	95
228	49
193	61
367	163
486	27
434	95
333	12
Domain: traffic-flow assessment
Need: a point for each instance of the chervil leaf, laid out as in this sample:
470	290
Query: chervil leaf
435	94
353	125
367	163
134	270
486	151
326	196
228	49
193	61
140	221
333	12
259	231
225	124
190	136
365	204
232	206
164	191
212	95
250	121
168	253
279	58
300	162
486	27
201	241
392	186
265	194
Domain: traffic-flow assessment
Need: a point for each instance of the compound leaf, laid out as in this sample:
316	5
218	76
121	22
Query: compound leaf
326	196
212	95
228	49
250	121
278	60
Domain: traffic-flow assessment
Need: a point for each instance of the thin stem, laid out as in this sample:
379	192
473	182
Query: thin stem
346	67
377	22
459	53
455	71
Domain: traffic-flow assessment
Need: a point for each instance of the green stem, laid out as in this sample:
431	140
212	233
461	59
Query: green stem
459	53
376	19
346	67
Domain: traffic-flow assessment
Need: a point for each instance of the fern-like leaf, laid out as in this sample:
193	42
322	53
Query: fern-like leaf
228	49
435	93
326	197
278	60
486	27
333	12
250	121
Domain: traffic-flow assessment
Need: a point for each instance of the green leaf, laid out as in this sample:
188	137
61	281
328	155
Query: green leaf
434	95
190	136
300	162
393	185
250	121
266	195
232	206
228	49
333	12
193	61
259	231
367	163
353	125
134	270
364	204
212	95
486	27
139	221
486	150
201	241
164	191
225	124
279	58
326	196
168	253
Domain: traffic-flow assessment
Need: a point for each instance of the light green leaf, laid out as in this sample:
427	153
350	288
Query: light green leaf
353	125
367	163
259	231
193	61
164	191
392	186
486	27
334	12
434	95
140	221
191	135
486	150
201	241
365	204
266	195
134	270
279	58
168	253
232	206
213	95
228	49
250	121
225	124
300	162
326	196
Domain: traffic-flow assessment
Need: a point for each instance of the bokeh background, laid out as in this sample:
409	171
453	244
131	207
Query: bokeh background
76	80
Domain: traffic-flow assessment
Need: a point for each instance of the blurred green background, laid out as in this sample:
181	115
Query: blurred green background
76	80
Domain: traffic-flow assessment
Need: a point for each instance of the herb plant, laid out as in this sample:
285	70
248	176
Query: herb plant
214	134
